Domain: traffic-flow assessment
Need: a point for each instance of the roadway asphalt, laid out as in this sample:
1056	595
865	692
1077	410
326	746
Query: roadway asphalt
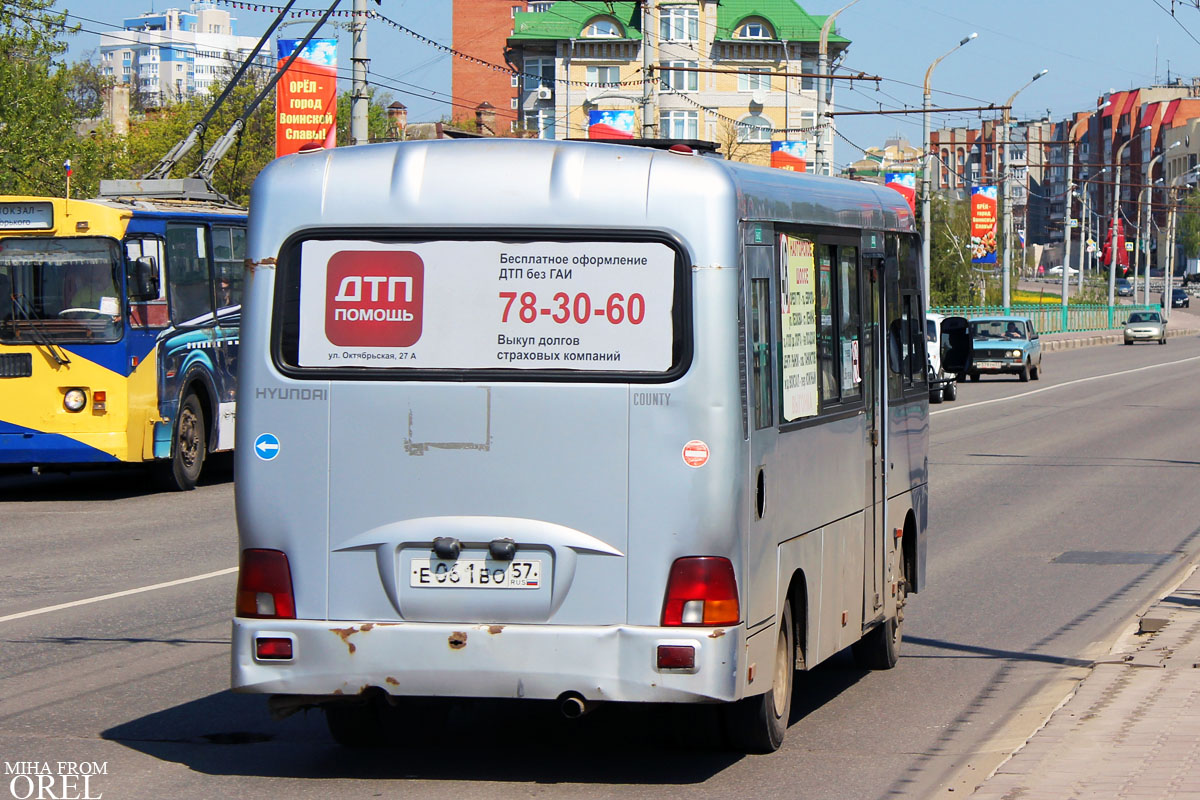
1131	727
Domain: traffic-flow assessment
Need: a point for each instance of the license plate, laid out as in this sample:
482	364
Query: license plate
989	365
471	573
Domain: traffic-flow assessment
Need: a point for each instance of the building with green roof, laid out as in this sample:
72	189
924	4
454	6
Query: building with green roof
737	72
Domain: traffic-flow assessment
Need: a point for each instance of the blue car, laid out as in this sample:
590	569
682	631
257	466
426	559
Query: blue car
1006	344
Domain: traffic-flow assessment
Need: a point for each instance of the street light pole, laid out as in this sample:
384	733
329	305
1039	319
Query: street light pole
1144	232
1085	222
926	163
1074	131
1113	256
359	98
823	85
1007	201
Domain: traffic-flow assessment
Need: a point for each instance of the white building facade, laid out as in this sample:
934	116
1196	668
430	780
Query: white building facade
172	55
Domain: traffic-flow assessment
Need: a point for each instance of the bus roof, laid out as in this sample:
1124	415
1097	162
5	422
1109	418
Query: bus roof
537	183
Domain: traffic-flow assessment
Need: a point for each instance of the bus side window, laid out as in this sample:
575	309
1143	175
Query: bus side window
826	357
760	351
188	271
918	363
150	313
229	254
851	322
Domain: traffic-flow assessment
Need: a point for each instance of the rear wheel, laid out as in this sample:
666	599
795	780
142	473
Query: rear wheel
188	450
950	391
880	648
974	377
757	724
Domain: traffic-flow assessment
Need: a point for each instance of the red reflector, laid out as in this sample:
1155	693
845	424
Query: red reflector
99	397
701	590
676	656
273	648
265	585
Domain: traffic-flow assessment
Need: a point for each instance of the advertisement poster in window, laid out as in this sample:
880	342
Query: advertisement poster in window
588	306
983	224
610	124
798	327
306	97
906	184
790	155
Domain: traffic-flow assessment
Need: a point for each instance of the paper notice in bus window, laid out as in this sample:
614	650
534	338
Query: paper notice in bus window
799	327
587	306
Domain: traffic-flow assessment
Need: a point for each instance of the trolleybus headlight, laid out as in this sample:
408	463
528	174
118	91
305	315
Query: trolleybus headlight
74	400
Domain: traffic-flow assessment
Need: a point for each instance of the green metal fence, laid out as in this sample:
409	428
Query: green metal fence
1049	318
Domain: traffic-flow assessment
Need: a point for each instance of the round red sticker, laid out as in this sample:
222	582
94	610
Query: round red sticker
695	453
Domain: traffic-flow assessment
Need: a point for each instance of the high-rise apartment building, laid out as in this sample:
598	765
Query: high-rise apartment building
171	55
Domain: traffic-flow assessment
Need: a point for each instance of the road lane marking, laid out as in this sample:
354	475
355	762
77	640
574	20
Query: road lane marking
1057	386
114	595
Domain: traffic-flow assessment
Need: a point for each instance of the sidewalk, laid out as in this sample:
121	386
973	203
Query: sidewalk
1131	729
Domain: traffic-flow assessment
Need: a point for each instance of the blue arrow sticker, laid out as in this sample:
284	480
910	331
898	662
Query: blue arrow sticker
266	446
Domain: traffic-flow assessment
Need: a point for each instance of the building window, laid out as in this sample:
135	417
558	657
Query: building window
753	29
512	102
681	81
602	28
755	128
758	80
679	124
542	121
679	24
539	72
809	67
537	8
516	80
603	76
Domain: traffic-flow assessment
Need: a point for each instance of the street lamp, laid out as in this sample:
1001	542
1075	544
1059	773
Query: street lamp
1113	256
1085	221
1007	203
926	166
1169	271
1145	241
1074	131
823	84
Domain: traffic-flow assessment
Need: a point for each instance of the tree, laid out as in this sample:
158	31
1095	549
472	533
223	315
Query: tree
1188	225
38	110
377	121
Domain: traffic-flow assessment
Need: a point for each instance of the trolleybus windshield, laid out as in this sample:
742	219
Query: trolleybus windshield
63	289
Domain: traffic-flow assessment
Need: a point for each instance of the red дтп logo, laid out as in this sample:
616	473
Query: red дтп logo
374	298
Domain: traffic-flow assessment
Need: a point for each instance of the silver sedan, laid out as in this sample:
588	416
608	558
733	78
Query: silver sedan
1145	326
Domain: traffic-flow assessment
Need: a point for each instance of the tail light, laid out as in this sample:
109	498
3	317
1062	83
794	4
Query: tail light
265	586
701	590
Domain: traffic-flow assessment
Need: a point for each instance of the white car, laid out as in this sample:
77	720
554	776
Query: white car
1056	272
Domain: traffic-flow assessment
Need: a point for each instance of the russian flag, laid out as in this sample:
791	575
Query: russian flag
67	167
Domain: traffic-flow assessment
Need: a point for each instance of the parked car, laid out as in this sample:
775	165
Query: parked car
1124	287
1005	344
1056	271
949	350
1179	299
1145	326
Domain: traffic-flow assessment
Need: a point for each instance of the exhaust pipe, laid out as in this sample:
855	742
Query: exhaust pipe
573	705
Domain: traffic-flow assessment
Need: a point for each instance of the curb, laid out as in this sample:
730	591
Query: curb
1050	345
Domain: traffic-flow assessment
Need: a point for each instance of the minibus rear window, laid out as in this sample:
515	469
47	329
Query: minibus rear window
355	306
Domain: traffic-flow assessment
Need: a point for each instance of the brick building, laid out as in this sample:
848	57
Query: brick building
480	28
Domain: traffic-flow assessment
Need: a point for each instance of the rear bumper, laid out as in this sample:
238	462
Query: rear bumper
617	663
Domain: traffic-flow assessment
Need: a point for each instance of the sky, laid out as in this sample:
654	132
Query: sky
1089	47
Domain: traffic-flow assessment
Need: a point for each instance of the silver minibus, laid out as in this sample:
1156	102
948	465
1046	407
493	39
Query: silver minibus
573	421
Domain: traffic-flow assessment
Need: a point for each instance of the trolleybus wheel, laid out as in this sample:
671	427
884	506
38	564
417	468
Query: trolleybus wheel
757	724
189	447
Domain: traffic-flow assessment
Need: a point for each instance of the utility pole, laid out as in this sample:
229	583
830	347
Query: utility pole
1007	197
648	75
359	99
823	86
